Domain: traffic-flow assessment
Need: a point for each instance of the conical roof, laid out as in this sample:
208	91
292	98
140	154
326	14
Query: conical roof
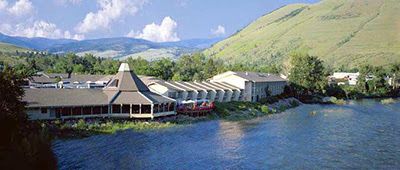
126	81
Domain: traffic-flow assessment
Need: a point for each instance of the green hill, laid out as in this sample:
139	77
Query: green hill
9	48
341	32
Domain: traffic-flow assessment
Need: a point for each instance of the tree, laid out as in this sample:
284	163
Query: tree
395	71
139	65
365	72
162	68
307	72
189	68
22	144
79	68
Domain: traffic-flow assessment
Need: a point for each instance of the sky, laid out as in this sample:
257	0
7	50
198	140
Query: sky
154	20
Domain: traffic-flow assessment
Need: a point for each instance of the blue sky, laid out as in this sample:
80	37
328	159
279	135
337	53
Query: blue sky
155	20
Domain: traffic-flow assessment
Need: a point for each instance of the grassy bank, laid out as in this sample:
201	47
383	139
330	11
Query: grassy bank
388	101
230	111
236	111
84	128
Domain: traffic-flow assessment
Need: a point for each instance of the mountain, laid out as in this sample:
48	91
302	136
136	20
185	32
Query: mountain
33	43
341	32
194	43
121	46
118	48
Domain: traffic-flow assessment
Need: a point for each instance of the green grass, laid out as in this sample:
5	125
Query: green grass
341	32
229	111
237	111
339	102
388	101
9	48
82	128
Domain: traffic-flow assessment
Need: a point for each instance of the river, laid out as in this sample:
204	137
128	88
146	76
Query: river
363	135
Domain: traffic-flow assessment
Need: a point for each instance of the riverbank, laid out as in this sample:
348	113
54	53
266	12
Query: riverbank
230	111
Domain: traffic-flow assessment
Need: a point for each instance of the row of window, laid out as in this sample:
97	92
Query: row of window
115	109
76	111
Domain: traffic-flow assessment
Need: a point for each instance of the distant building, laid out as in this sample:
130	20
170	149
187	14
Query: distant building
343	78
125	96
255	85
44	80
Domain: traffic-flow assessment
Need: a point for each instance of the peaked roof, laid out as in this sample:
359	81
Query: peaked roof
126	80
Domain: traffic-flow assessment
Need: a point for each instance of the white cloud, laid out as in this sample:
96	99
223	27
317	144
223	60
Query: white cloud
21	7
66	2
219	31
110	10
165	32
68	35
38	29
3	4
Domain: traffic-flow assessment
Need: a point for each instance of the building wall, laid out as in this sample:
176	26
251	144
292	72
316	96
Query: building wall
259	89
36	114
248	91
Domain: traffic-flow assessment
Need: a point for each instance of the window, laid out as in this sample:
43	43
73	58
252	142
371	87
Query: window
43	110
104	110
76	111
97	110
87	110
165	107
156	108
116	108
171	107
135	109
66	111
146	109
126	108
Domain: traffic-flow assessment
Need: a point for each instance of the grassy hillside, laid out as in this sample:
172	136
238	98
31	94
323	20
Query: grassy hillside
341	32
8	48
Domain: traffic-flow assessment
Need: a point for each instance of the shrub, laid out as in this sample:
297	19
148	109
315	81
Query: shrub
294	103
336	91
265	109
282	108
339	102
81	124
269	100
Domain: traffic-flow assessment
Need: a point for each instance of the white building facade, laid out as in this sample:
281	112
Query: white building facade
197	91
343	78
256	86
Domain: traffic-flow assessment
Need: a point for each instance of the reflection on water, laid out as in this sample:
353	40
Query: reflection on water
362	135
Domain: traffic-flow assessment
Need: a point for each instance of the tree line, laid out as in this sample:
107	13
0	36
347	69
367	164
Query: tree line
187	68
309	78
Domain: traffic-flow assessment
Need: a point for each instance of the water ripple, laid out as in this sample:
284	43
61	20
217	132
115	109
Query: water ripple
362	135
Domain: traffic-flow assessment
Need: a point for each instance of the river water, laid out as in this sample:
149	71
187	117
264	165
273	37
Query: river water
363	135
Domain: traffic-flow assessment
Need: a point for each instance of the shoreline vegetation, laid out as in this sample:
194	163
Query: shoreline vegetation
231	111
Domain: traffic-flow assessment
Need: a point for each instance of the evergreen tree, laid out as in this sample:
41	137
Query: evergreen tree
22	143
